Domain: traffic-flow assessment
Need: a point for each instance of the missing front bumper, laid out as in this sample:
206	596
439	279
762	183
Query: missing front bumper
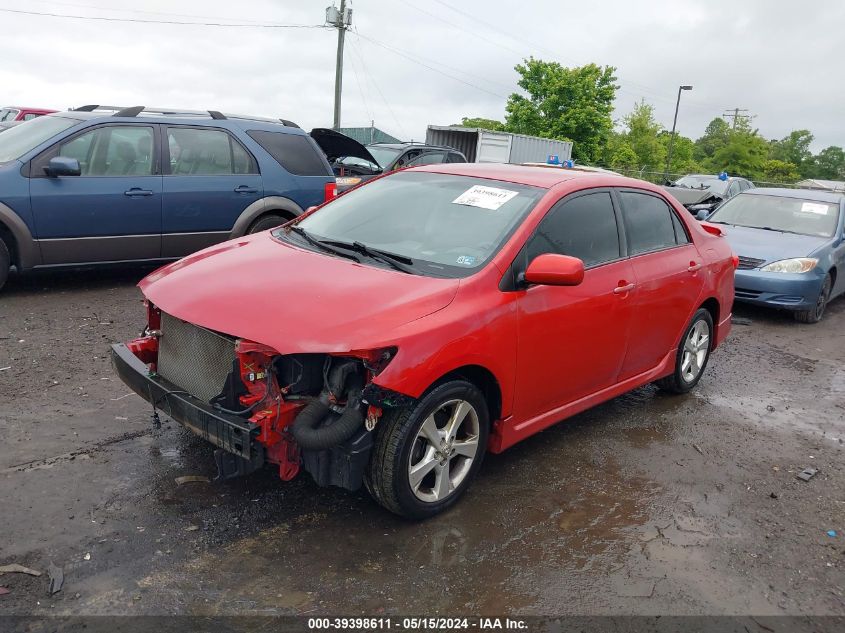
229	432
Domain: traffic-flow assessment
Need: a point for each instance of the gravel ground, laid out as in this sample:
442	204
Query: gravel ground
648	504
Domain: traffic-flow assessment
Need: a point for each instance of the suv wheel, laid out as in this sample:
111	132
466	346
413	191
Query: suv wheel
425	456
5	263
266	222
693	354
814	314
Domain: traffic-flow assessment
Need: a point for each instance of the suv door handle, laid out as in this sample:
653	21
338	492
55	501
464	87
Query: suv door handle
137	191
245	189
623	289
693	266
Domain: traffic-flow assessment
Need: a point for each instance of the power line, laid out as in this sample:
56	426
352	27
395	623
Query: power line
396	51
368	74
141	11
144	21
354	64
655	92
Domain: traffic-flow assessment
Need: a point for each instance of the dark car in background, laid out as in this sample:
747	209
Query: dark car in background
92	186
354	163
20	113
702	193
791	248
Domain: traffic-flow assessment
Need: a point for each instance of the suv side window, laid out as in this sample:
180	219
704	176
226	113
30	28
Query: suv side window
206	152
583	227
649	223
429	158
295	152
112	150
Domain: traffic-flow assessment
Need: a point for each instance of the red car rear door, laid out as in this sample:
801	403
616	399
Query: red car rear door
572	340
668	271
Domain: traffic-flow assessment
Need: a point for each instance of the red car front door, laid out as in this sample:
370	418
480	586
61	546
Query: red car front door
669	274
572	340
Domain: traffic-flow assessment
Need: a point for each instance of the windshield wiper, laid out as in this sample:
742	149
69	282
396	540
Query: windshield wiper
398	262
321	244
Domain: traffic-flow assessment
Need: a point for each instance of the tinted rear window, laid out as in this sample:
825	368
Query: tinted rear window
294	152
648	222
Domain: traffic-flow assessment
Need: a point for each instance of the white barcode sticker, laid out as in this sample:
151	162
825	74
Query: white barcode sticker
485	197
813	207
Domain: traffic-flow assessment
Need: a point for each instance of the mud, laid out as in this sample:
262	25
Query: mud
649	504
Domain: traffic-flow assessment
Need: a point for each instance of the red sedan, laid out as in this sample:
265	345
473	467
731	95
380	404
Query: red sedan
394	335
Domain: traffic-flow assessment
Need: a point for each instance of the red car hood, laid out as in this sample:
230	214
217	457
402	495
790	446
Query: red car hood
291	299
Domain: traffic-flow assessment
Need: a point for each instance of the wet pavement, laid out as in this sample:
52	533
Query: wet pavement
648	504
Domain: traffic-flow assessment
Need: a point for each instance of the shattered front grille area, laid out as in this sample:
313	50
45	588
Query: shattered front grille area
193	358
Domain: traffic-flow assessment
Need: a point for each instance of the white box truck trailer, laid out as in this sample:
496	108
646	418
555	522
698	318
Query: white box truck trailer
486	146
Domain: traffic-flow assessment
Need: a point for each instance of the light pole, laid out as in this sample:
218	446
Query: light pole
672	138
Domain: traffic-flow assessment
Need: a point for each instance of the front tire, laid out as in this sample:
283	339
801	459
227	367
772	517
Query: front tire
425	456
5	263
814	314
693	354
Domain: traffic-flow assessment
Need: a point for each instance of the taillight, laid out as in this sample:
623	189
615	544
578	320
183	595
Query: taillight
735	261
330	191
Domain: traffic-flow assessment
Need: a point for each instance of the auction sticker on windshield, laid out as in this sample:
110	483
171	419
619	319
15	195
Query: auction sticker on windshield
812	207
485	197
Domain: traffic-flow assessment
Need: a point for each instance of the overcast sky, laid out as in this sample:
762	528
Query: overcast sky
410	64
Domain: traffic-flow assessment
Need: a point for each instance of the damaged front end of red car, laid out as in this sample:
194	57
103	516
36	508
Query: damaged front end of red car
296	411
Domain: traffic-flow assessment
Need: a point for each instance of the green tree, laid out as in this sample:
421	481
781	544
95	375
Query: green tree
795	149
487	124
715	137
830	163
564	103
624	157
683	154
642	136
775	170
744	155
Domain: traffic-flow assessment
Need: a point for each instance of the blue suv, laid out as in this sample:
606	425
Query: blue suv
91	186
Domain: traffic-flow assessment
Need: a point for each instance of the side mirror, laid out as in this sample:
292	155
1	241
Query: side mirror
550	269
63	166
702	214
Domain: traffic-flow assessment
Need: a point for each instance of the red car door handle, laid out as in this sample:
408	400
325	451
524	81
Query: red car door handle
693	266
623	289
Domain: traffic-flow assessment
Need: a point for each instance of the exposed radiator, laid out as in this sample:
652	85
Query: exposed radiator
193	358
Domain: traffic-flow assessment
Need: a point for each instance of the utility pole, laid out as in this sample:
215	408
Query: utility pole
340	19
736	116
672	138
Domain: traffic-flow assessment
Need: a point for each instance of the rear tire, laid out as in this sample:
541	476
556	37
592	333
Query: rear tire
814	315
693	354
266	222
5	263
417	477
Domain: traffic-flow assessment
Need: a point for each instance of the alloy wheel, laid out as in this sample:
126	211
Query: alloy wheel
696	347
444	450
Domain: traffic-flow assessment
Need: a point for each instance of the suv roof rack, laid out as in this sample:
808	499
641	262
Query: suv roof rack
134	111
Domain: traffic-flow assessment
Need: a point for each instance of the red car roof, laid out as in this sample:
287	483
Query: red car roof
536	176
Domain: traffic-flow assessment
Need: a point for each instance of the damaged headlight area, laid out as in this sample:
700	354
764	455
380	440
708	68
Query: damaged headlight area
298	411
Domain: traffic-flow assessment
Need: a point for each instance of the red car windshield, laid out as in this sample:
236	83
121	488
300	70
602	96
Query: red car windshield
446	225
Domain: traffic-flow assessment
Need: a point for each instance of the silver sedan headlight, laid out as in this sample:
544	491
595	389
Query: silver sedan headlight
796	265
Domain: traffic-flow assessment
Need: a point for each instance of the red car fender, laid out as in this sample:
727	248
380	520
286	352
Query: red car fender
445	341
